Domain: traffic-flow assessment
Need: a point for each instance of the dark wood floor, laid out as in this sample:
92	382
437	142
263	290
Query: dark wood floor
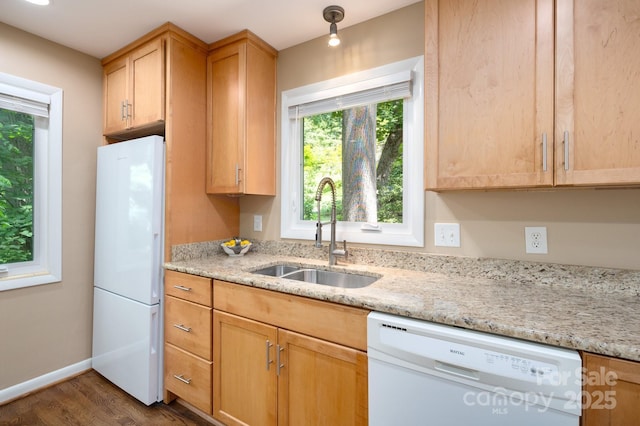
91	400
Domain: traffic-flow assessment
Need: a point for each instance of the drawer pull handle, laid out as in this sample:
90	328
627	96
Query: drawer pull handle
268	347
278	363
181	287
182	327
544	152
182	379
565	141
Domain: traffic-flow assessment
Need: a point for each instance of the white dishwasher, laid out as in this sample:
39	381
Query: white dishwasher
421	373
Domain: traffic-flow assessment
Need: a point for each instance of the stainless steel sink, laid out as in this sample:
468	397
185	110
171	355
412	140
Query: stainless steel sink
331	278
318	276
276	270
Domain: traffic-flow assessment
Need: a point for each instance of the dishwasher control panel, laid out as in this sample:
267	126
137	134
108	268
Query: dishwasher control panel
517	367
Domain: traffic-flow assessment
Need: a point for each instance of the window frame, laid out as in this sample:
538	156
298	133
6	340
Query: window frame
46	266
411	231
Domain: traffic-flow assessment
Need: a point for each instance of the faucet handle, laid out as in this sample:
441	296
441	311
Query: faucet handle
318	234
344	252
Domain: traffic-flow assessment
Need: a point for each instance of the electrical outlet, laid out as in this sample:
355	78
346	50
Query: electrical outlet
257	222
535	238
446	234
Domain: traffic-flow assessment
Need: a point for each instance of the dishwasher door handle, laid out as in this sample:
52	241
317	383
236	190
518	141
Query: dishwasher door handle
456	370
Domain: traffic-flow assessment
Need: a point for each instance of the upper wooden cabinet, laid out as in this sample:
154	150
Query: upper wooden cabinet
241	111
489	93
166	71
598	92
497	118
134	89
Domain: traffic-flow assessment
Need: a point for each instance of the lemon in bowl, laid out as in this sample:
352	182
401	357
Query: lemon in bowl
236	246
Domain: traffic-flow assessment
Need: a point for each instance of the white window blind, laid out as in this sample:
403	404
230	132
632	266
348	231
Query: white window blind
28	106
400	88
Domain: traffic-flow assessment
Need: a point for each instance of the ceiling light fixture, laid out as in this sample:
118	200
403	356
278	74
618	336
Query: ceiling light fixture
333	14
39	2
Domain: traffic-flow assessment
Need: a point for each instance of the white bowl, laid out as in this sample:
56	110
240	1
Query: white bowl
236	250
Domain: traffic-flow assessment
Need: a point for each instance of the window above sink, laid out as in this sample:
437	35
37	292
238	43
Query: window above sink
310	114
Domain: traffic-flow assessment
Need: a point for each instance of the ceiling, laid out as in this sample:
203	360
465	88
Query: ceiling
100	27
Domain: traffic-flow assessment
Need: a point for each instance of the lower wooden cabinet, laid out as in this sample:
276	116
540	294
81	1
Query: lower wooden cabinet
611	391
188	377
188	365
320	382
245	381
188	326
267	374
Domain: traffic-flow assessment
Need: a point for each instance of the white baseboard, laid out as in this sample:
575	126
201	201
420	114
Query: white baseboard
43	381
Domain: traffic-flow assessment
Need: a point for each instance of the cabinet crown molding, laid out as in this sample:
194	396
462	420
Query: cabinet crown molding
244	36
167	29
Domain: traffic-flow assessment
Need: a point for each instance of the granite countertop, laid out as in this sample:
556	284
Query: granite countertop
590	309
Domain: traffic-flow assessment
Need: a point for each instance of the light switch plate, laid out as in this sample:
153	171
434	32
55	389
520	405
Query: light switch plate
257	222
446	234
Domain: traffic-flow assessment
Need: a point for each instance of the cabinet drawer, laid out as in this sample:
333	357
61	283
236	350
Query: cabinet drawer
345	325
188	287
188	326
188	377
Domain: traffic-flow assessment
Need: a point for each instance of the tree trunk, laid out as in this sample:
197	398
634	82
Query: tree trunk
359	165
389	154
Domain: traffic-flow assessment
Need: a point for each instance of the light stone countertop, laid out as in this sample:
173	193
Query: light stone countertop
591	309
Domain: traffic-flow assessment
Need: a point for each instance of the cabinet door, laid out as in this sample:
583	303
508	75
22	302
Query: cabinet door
489	93
598	89
226	113
116	86
147	84
611	395
245	380
320	383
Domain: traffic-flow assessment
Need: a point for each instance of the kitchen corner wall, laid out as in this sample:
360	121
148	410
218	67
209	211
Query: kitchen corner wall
584	226
48	327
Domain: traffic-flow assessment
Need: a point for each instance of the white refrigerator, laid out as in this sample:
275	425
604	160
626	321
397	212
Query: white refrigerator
127	312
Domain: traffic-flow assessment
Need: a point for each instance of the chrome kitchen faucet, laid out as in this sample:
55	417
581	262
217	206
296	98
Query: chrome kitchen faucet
333	252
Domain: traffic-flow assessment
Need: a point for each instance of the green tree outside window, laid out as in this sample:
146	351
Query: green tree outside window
16	186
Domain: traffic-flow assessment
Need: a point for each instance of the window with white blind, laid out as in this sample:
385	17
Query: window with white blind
30	183
364	131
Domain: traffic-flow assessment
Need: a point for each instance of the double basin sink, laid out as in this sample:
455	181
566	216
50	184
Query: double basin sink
318	276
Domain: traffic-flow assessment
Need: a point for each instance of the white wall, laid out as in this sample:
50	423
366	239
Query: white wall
46	328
